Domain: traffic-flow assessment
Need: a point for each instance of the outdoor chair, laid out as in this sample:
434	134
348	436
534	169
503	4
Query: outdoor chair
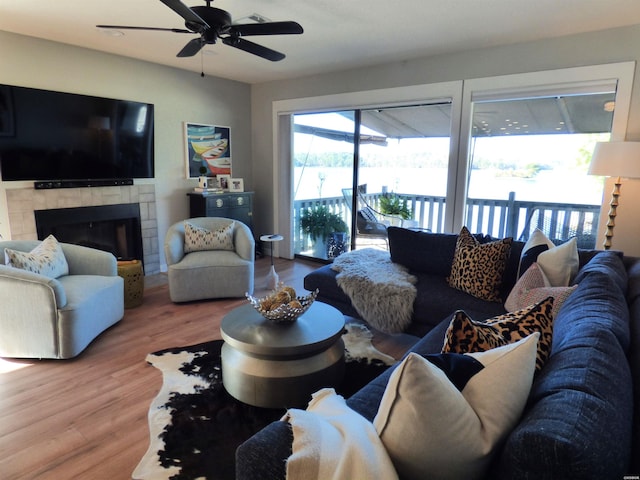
371	223
558	228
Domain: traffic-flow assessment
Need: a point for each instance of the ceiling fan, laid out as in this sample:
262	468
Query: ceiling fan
213	23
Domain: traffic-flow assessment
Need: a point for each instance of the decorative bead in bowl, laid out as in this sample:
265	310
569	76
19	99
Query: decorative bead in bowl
280	307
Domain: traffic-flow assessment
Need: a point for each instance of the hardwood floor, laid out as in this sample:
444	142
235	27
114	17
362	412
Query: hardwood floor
87	417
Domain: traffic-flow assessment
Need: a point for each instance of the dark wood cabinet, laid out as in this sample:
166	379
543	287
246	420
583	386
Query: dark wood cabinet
238	206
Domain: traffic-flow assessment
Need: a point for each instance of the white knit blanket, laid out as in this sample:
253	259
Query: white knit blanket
333	442
382	292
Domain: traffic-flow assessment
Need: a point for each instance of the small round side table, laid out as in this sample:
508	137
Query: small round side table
272	276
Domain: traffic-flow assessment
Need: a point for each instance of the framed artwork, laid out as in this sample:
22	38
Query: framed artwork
207	146
7	122
236	185
224	181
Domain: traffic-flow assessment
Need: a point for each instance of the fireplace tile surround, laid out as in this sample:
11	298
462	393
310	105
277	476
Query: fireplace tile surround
22	202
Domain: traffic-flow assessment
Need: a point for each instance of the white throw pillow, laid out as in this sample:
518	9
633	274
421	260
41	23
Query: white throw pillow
433	429
199	238
560	264
46	259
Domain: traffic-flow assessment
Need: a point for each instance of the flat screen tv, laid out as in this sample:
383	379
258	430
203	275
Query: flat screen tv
46	135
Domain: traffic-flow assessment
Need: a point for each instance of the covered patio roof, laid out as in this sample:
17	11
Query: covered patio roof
592	113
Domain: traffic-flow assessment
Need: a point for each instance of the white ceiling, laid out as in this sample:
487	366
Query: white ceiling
338	34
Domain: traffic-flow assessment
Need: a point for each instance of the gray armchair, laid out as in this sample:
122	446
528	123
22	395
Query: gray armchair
41	317
209	274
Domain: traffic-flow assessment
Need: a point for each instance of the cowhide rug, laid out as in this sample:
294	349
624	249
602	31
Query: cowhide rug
195	425
382	292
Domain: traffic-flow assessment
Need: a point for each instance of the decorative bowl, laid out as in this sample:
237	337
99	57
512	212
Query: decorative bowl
273	308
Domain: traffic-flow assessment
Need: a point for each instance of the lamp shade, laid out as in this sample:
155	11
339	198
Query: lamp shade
616	159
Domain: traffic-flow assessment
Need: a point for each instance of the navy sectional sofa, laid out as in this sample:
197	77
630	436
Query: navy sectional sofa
579	421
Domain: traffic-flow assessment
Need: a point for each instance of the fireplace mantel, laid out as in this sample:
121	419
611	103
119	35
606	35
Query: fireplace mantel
22	202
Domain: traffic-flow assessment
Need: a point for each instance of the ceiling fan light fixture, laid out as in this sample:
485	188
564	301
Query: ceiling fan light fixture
255	18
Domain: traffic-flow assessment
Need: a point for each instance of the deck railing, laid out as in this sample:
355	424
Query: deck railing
498	218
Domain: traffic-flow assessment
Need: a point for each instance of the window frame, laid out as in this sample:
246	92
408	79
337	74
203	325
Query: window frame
531	85
282	116
461	93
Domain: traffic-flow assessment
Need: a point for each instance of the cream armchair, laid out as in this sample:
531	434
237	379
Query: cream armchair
42	317
213	273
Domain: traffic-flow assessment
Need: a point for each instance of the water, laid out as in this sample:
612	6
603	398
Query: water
559	186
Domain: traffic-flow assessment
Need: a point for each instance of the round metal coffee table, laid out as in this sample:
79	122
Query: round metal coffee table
273	365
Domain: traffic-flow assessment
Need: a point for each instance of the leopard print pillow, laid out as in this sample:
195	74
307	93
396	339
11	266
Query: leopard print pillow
466	335
477	268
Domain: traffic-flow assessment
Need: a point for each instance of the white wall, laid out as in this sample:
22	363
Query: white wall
178	96
616	45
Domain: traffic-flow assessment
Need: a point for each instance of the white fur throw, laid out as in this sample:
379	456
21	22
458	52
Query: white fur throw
382	292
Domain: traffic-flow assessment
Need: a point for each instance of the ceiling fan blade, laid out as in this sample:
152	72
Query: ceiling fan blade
125	27
192	19
191	48
253	48
269	28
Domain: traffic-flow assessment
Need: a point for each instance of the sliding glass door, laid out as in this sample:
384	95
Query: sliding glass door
323	165
372	168
405	176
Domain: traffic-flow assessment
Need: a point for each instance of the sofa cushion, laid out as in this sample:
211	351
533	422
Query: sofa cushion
531	289
478	268
425	252
441	416
422	252
46	259
467	335
201	239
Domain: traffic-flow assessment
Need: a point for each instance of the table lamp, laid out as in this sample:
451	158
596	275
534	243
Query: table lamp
615	159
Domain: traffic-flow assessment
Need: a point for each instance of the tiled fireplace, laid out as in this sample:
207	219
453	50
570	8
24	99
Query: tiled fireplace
123	231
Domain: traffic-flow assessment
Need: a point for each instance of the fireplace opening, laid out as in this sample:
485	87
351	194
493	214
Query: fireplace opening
112	228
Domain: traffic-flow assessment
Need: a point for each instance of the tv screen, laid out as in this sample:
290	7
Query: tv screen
47	135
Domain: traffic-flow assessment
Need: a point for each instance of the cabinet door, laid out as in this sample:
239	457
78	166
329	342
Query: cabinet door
240	208
218	206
